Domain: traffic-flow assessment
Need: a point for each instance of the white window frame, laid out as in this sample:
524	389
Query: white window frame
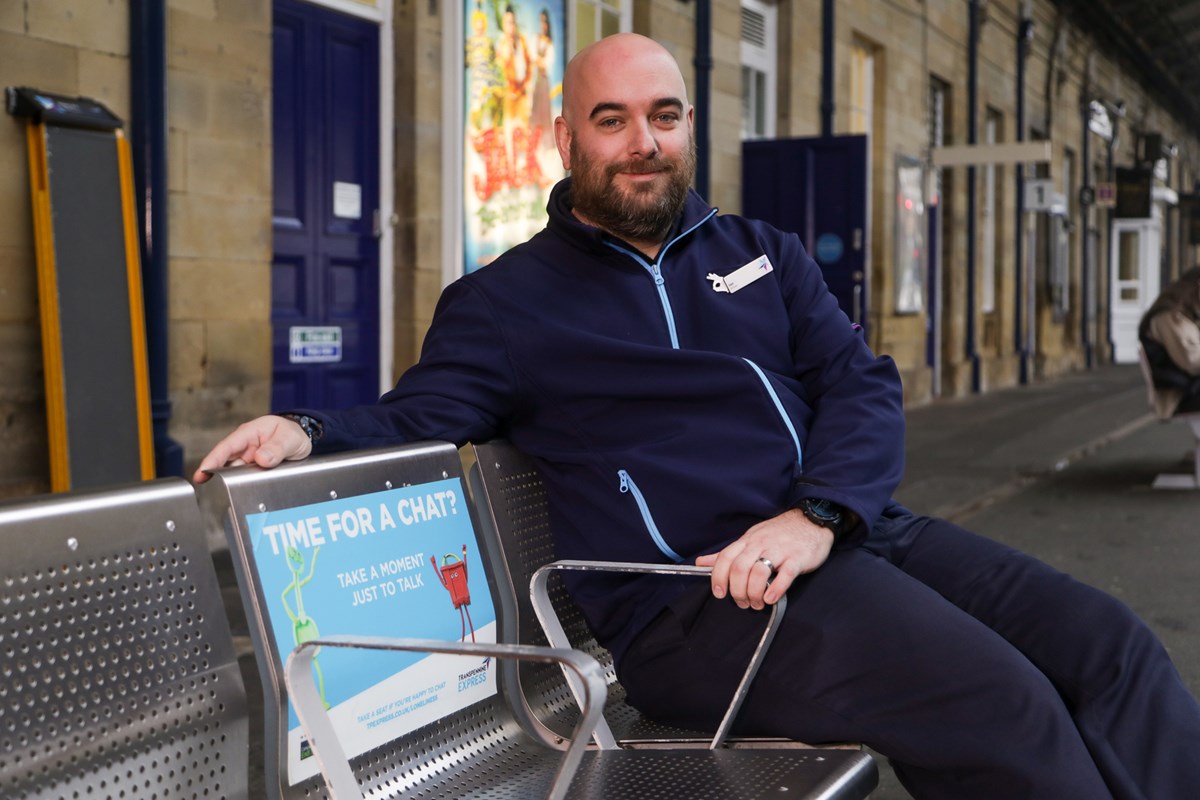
760	58
861	105
910	257
987	302
1060	255
622	8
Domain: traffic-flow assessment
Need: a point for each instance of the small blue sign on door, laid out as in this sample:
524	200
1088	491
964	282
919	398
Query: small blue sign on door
829	248
314	344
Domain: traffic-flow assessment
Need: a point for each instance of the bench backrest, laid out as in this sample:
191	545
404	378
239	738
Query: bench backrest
379	543
118	676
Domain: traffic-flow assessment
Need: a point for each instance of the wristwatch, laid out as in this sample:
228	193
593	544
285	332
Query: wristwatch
312	428
824	513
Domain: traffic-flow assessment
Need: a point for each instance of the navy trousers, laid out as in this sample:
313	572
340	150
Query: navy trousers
979	671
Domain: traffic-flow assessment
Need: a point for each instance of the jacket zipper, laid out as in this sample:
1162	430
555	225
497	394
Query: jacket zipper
628	486
762	376
654	268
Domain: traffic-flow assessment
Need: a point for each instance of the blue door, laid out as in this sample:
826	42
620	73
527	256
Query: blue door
817	188
325	267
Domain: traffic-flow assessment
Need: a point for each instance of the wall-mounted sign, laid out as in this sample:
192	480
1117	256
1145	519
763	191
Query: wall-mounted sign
1133	192
1040	195
513	67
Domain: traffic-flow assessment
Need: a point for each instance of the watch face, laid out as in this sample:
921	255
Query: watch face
819	512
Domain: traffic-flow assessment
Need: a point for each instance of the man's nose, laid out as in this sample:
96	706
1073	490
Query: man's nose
642	141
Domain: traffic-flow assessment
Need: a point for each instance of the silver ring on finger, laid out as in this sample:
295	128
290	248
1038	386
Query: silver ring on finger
767	561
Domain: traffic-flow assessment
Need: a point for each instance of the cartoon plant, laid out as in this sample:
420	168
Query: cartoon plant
304	627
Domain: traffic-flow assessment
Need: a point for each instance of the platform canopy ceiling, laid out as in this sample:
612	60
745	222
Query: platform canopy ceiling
1161	38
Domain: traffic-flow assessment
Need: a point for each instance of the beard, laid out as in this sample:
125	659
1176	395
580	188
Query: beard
642	213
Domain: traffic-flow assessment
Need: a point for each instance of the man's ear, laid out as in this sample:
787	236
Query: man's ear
562	140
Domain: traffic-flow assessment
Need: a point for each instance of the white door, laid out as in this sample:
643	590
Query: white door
1134	282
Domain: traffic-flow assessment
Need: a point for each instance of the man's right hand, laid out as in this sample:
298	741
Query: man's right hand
267	441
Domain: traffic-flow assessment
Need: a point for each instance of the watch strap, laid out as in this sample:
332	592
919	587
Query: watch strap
312	428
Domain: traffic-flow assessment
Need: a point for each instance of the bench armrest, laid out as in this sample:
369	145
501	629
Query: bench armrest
331	757
540	593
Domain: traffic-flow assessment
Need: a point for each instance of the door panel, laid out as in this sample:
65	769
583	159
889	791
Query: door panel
1134	281
816	188
325	270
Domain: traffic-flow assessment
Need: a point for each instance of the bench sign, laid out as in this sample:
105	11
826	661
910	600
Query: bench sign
314	344
401	562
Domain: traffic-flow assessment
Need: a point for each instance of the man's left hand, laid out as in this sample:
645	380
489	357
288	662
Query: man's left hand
758	568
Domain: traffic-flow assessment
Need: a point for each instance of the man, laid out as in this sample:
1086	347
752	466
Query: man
1170	336
692	392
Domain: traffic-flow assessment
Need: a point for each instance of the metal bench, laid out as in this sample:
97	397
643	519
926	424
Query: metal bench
473	738
118	677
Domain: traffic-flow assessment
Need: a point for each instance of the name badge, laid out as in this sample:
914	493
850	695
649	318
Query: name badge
742	276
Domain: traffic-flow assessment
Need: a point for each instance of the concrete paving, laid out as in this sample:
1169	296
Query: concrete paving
1062	470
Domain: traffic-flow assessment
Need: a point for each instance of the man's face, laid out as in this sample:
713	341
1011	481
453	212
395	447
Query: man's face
626	136
637	199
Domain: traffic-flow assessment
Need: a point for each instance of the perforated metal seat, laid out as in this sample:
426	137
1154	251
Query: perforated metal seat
487	748
118	677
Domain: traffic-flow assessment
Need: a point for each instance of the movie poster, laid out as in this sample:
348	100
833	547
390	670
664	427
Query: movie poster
514	61
401	562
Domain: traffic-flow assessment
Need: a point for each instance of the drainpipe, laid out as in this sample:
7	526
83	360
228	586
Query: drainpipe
704	64
1021	340
827	68
148	128
1115	115
972	354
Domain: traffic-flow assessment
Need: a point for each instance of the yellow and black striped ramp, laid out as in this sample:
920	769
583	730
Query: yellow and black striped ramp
89	292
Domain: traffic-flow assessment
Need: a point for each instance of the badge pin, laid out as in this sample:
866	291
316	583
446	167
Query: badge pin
718	282
742	276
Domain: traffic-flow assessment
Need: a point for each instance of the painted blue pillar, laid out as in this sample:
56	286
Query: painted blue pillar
972	351
148	140
1020	334
703	62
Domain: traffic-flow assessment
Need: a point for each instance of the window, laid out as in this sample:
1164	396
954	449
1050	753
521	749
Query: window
991	135
938	114
1060	255
910	235
862	87
759	61
592	20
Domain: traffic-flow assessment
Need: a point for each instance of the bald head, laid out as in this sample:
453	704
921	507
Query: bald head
626	136
607	69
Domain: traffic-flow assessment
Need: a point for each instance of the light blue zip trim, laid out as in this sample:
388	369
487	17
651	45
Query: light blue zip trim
762	376
656	273
627	485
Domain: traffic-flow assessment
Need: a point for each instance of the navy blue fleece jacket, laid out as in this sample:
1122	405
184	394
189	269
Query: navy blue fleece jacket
667	417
